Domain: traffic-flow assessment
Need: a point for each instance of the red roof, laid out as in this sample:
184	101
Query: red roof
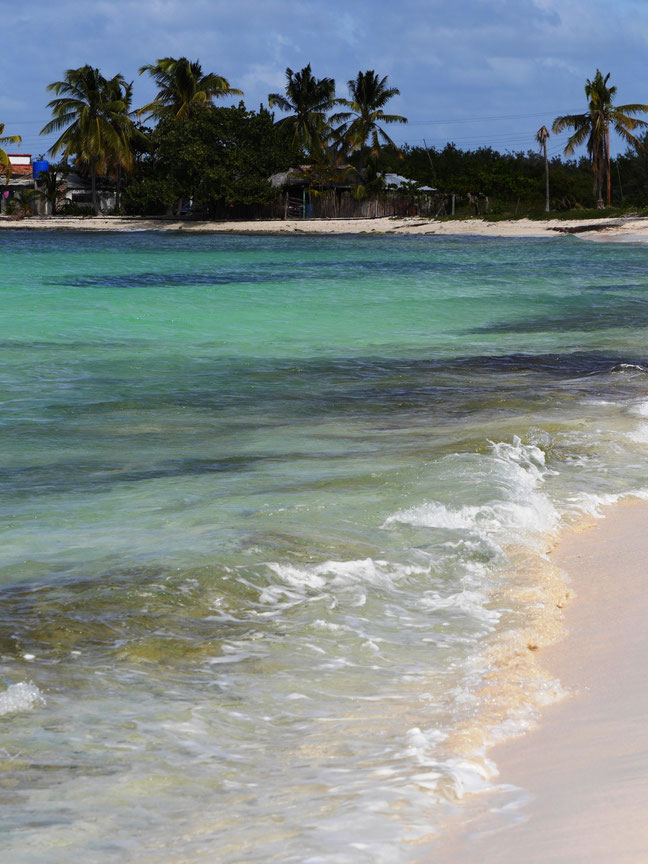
20	170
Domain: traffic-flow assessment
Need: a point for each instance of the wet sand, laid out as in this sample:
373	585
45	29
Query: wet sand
586	767
630	229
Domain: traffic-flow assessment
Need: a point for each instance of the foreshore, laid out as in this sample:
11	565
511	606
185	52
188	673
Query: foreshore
585	768
629	229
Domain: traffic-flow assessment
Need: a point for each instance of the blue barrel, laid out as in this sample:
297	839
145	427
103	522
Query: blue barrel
38	167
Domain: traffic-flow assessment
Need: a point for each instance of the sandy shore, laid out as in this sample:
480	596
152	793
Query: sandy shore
586	767
629	229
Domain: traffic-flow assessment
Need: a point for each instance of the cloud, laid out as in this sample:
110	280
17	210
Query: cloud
453	62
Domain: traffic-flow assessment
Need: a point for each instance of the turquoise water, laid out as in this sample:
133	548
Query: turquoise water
258	500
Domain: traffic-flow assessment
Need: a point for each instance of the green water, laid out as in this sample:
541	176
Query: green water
256	494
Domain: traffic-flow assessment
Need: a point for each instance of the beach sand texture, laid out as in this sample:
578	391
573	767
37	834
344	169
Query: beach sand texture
630	229
586	766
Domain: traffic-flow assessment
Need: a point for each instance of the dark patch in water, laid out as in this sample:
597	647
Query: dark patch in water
139	614
291	271
67	477
626	314
231	401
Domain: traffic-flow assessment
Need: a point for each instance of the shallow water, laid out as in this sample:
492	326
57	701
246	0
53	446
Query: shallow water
259	502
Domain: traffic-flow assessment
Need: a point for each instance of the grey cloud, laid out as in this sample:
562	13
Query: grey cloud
452	61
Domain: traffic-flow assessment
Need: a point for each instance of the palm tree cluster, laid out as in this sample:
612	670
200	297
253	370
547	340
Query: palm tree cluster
327	136
100	130
98	126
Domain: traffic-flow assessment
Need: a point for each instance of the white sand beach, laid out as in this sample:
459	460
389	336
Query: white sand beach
628	229
586	766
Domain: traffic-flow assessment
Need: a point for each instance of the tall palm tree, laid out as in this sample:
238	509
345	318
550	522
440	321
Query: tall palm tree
5	162
541	137
593	129
183	87
121	92
91	118
369	94
308	99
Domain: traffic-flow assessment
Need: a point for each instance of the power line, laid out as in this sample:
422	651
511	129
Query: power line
438	122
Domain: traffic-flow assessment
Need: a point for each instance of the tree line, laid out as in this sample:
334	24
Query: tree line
182	146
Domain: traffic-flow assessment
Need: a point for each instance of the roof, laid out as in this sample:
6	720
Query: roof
338	175
398	180
17	179
20	164
21	170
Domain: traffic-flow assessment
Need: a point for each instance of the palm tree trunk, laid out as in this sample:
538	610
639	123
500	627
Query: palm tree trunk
93	174
607	158
546	176
118	187
361	164
599	177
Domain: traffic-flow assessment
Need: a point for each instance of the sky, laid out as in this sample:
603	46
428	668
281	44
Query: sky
475	72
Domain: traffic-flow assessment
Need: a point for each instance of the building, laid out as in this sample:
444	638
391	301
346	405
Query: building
325	192
20	179
74	189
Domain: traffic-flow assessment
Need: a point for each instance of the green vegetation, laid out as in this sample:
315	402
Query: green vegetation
51	185
308	99
212	161
219	159
183	89
593	129
361	129
93	114
5	164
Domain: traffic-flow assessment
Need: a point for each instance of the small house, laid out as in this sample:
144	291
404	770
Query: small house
20	179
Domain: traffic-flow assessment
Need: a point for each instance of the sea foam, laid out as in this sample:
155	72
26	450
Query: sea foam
20	697
514	472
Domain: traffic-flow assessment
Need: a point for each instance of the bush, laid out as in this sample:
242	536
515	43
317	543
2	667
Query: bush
71	208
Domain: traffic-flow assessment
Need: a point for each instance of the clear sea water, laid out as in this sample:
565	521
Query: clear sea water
263	506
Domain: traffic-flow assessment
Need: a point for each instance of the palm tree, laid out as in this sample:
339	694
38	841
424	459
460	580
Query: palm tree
119	91
541	137
369	95
50	182
92	119
309	99
5	162
593	129
182	88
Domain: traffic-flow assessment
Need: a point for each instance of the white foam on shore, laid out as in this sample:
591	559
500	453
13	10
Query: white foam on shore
20	697
516	471
342	573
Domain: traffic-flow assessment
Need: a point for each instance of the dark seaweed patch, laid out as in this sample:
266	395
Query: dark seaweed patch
627	314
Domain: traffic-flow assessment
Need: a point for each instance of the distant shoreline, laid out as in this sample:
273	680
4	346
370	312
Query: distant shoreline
625	229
